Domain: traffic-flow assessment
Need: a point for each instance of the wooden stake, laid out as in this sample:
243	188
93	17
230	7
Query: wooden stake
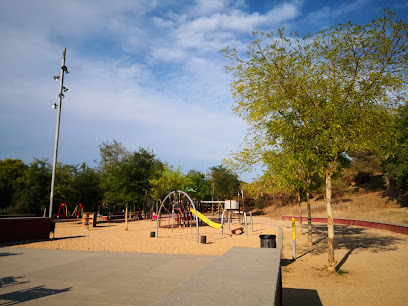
126	218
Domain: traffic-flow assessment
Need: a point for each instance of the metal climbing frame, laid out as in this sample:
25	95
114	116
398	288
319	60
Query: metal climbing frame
191	203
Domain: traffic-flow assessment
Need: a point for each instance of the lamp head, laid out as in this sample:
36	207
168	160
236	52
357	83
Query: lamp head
56	78
54	106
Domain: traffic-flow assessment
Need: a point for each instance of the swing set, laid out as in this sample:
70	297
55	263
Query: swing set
63	210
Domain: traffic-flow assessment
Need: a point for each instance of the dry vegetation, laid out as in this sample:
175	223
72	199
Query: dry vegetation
356	204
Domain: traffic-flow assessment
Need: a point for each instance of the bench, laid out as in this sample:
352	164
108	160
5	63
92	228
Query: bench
238	229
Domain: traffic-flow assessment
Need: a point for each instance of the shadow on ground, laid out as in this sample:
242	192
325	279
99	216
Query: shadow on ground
304	297
350	238
17	243
9	254
400	196
24	295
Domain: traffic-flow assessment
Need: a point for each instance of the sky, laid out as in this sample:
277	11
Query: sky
147	73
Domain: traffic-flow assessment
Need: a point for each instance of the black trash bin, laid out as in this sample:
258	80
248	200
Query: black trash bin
268	241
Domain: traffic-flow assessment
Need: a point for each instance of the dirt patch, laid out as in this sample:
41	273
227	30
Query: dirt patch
370	266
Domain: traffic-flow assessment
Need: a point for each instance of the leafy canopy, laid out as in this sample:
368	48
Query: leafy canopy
320	95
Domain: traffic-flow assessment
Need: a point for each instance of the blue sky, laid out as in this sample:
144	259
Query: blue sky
148	73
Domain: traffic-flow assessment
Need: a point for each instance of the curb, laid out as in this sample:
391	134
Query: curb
392	227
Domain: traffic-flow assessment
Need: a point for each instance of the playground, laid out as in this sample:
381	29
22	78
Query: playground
372	262
112	236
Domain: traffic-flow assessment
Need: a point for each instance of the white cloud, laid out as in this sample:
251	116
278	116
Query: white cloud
206	7
212	32
148	73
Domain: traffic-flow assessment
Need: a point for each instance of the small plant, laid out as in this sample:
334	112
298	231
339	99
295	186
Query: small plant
341	271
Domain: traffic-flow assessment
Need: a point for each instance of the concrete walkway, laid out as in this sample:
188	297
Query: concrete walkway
56	277
241	276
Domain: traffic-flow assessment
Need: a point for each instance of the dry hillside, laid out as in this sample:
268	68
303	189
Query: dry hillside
361	204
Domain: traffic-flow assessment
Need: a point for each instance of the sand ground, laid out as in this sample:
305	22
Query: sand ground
372	264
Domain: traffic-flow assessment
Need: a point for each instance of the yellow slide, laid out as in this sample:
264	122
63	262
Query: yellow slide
205	219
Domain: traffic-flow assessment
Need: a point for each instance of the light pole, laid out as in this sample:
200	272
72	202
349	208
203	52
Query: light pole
243	203
64	70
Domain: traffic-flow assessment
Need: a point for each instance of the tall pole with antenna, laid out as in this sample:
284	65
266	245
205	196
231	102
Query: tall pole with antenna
61	96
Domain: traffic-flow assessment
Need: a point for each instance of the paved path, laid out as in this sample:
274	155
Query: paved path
56	277
241	276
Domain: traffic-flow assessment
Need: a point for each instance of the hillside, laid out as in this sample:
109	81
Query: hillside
357	203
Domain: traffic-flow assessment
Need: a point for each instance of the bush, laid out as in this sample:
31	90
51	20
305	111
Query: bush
362	177
339	187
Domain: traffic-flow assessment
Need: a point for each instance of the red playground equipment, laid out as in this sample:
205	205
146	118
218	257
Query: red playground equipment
175	213
64	210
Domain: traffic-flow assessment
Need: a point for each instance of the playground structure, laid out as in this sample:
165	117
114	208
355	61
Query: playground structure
64	210
177	210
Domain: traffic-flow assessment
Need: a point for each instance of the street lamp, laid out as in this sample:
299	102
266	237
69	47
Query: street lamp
64	70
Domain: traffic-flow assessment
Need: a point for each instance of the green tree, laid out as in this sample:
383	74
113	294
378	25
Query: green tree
168	180
86	188
325	94
33	188
292	171
63	190
200	184
226	183
10	171
130	179
112	153
397	162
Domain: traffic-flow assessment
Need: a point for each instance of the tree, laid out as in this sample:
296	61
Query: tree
168	180
293	171
86	188
33	188
397	162
10	171
200	184
226	183
130	179
112	153
64	190
325	94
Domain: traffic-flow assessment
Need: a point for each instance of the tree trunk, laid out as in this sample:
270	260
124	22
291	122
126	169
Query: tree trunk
300	213
309	214
330	224
126	218
145	205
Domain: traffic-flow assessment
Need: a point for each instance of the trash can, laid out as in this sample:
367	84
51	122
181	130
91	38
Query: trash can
152	234
268	241
203	239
